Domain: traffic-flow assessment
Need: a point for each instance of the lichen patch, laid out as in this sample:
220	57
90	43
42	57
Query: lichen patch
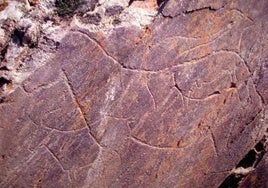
108	15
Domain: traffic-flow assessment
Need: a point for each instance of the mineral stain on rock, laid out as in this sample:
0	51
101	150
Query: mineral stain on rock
121	93
3	5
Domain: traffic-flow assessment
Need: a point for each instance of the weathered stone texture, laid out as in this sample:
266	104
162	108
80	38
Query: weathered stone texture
177	100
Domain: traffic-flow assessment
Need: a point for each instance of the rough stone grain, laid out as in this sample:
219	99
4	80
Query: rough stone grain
134	94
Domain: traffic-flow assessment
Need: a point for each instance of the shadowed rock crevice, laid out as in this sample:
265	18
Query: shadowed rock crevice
4	82
246	165
188	12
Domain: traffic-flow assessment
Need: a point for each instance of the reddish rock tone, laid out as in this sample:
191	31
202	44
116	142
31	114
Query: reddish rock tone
134	94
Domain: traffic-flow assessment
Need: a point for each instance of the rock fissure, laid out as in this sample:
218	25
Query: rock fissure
115	60
68	82
210	96
145	144
188	12
247	164
72	92
55	157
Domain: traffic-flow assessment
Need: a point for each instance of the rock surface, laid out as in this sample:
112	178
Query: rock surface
133	93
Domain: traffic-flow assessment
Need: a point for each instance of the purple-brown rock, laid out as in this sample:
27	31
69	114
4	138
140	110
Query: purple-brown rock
152	94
